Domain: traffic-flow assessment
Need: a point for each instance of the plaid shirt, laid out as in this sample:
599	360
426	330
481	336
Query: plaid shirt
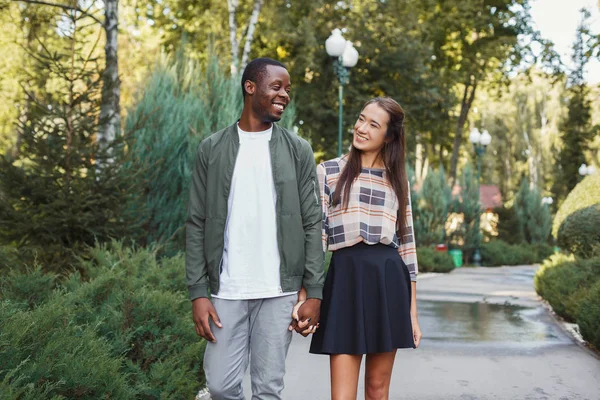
371	214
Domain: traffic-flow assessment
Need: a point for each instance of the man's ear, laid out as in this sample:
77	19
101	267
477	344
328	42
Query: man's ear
250	87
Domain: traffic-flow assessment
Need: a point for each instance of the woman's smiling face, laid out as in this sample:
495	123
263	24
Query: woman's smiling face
370	129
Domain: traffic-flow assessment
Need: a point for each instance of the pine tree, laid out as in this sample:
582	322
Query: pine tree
53	198
534	218
434	202
577	129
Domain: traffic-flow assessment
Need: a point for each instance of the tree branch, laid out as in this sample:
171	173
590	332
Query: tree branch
63	6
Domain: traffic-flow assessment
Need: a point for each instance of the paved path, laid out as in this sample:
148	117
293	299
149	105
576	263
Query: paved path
486	336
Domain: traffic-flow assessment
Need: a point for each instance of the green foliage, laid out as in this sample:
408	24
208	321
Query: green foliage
577	129
533	217
180	105
30	286
433	206
508	225
497	253
585	194
588	317
572	287
468	204
431	260
563	281
123	333
43	349
54	199
580	232
8	257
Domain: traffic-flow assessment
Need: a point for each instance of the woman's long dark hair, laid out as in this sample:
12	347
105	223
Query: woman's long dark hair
394	158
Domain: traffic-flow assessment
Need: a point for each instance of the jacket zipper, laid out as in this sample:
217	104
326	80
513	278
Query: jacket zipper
315	191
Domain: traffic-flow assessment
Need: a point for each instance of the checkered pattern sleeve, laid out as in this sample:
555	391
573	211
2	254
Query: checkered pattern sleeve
408	248
325	200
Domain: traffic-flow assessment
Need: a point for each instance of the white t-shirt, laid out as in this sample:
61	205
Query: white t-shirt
250	267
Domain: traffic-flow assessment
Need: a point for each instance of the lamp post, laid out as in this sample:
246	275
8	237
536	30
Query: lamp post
547	200
346	57
480	142
586	170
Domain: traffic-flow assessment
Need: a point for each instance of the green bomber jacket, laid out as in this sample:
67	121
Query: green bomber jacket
298	210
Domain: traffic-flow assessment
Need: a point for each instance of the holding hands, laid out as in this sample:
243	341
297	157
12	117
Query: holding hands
305	315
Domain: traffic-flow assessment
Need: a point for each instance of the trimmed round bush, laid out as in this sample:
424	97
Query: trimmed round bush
588	317
585	194
430	260
564	280
580	232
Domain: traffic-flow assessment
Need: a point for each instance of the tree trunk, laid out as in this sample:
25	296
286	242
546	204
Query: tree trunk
421	164
232	6
465	107
110	109
250	33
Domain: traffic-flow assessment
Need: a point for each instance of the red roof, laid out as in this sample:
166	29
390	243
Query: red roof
489	196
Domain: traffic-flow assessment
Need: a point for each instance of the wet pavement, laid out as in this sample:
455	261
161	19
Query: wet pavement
486	336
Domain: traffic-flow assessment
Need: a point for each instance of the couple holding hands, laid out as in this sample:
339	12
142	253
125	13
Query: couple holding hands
261	217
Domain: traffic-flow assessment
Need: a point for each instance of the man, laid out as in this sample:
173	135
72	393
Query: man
253	239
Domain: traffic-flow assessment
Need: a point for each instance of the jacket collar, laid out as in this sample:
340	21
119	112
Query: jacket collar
232	131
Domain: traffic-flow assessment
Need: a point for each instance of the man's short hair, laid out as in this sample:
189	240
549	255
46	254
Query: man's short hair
256	70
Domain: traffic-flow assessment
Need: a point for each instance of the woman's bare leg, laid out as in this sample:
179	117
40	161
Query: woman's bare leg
378	374
344	369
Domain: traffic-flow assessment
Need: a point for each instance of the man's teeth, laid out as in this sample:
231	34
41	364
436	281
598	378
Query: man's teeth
278	106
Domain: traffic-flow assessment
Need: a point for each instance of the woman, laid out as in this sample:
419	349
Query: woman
369	300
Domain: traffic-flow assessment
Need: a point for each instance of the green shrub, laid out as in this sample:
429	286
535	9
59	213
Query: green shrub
588	317
44	350
430	260
564	280
497	253
123	332
30	286
580	232
585	194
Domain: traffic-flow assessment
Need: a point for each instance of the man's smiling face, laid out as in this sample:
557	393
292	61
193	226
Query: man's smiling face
272	94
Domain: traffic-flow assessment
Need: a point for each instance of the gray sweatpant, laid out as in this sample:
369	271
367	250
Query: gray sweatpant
255	332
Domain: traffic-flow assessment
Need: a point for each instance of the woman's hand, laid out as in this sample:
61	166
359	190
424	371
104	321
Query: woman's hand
417	335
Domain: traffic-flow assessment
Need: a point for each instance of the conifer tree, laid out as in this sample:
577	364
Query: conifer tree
53	198
434	202
533	217
577	130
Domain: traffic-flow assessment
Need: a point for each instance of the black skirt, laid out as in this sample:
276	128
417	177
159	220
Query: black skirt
366	303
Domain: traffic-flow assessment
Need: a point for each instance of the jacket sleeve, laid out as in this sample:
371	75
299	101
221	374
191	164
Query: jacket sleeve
311	210
195	262
408	246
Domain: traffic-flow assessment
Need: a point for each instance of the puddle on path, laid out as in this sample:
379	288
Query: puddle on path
486	323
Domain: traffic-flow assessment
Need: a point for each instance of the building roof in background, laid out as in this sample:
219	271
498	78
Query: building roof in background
489	195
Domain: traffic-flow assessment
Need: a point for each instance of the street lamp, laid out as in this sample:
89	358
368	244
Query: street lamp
547	200
346	57
480	142
586	170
